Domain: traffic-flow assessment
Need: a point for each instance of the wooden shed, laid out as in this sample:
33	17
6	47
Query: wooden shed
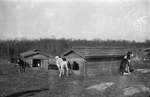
83	59
36	58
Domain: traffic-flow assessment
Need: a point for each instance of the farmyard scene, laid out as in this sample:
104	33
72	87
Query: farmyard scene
74	48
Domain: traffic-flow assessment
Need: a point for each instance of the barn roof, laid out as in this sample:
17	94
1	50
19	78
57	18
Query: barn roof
35	52
38	56
96	52
147	49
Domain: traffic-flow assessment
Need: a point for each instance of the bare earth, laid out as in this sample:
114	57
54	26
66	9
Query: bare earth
41	83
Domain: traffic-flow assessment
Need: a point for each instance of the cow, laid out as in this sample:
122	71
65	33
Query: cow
125	67
22	65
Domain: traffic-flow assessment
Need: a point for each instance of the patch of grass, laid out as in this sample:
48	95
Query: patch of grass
7	68
12	81
73	86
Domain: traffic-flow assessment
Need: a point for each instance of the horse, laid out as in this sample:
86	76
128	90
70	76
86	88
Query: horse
125	64
22	65
62	65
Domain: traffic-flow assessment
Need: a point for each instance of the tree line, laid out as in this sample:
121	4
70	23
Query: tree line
12	48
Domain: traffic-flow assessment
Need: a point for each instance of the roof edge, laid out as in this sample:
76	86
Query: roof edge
72	50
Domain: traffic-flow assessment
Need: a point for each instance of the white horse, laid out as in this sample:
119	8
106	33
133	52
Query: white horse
62	65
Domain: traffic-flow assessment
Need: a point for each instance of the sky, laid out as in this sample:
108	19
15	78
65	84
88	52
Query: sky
75	19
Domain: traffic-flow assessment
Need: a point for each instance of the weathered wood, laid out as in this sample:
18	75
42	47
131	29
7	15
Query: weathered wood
85	69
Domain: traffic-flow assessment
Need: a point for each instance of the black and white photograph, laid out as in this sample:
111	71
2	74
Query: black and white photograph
74	48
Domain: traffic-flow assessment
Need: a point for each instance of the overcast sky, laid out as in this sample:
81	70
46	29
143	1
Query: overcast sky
77	19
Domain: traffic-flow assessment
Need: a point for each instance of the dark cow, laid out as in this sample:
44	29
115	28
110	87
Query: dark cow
125	64
22	65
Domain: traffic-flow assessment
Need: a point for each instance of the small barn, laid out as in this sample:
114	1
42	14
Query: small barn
36	58
82	60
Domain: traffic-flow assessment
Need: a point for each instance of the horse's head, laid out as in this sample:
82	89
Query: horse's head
56	57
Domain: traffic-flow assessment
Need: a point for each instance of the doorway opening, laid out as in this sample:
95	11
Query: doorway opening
36	63
75	66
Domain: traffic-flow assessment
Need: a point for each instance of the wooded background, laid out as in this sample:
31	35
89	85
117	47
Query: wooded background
11	48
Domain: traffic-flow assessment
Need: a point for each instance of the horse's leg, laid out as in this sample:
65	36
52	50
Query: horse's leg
59	70
63	71
128	68
59	73
67	69
126	71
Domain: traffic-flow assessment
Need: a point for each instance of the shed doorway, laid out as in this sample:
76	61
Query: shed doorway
36	63
75	66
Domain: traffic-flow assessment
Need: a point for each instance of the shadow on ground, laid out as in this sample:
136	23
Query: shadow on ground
27	93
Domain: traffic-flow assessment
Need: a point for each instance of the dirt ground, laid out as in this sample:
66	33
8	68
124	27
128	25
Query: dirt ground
41	83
